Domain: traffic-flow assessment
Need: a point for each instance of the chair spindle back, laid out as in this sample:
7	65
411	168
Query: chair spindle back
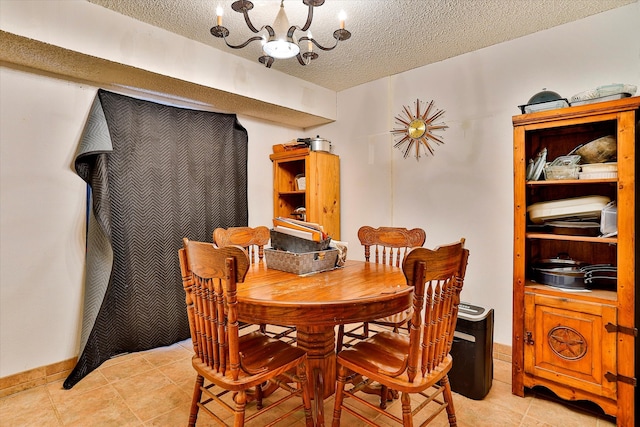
209	277
437	276
390	244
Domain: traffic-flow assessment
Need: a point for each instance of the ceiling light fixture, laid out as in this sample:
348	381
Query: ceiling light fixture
280	42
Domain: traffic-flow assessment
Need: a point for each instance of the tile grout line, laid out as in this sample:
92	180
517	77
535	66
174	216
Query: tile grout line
56	411
526	413
111	383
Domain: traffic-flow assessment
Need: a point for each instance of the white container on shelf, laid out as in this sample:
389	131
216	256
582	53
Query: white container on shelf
561	172
597	175
609	219
575	207
600	167
301	182
599	171
600	99
543	106
603	93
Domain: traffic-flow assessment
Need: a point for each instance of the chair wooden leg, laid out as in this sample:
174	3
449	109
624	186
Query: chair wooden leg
241	403
260	394
384	394
197	394
340	338
407	418
337	406
446	394
306	394
352	334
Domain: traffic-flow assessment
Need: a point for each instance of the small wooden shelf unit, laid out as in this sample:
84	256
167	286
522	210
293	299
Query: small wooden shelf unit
321	196
580	345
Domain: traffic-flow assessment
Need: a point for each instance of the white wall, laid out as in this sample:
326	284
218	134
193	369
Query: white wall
41	224
466	189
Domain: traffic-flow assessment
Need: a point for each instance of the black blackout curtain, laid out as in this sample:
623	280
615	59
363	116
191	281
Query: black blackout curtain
156	174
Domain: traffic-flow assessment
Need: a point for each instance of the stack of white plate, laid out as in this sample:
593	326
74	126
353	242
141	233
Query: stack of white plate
598	171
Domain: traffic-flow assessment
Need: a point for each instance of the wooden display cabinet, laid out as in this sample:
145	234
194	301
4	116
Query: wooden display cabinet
580	345
321	194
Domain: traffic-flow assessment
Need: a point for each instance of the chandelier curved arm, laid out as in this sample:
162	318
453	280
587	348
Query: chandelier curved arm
245	44
338	35
311	5
244	6
222	32
248	21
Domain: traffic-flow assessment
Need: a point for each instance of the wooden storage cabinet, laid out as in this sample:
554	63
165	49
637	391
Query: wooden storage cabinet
581	346
321	194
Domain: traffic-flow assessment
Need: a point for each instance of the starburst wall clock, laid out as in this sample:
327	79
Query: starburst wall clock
415	133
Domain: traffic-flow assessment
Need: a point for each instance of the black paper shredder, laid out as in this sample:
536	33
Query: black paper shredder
472	372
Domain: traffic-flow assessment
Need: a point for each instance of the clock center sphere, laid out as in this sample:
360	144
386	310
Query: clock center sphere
417	128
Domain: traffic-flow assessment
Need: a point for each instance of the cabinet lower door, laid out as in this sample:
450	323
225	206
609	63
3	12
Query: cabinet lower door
566	343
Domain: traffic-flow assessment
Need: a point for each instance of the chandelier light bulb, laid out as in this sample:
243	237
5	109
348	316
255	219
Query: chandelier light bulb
342	16
309	43
219	12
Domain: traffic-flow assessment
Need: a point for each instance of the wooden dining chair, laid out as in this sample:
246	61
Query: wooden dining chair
416	364
390	246
253	240
224	361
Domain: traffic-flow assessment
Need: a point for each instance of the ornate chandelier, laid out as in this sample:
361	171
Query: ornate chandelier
280	42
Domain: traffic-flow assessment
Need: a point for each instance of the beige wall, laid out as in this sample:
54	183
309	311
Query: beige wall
465	190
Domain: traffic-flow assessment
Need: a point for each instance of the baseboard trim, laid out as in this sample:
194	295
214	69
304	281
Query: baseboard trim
502	352
36	377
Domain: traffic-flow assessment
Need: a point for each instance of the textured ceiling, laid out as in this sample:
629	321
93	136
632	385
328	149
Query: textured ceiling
388	36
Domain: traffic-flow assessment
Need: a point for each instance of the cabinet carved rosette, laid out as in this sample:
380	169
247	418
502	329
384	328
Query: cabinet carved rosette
580	345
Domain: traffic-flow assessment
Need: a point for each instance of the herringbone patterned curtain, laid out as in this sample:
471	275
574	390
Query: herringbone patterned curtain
157	174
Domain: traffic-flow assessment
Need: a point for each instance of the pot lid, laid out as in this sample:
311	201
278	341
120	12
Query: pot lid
544	96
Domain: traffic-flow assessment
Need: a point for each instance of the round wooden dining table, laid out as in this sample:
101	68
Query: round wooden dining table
315	303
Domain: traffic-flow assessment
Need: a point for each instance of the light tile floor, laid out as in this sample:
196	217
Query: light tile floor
154	388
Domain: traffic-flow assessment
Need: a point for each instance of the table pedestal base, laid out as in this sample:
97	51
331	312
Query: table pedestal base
319	343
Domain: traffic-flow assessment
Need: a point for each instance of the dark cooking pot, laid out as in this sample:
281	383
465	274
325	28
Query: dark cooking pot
559	272
571	274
